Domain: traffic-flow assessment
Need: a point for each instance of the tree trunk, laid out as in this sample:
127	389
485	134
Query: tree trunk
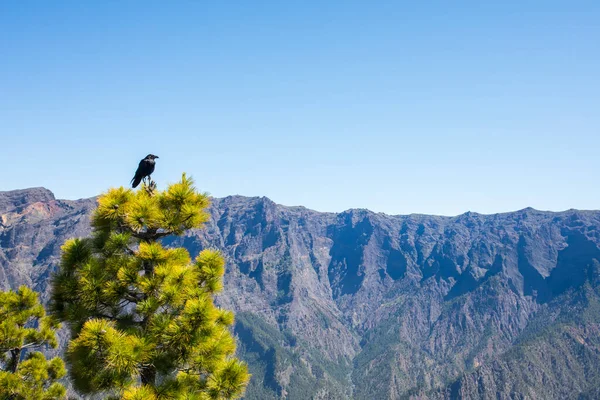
148	268
15	357
148	375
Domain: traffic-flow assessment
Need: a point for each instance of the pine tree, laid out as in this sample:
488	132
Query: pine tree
142	318
24	326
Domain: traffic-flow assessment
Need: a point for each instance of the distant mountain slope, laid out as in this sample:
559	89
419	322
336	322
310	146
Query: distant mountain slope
371	306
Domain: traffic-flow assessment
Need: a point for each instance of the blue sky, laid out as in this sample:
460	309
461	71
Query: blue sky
400	107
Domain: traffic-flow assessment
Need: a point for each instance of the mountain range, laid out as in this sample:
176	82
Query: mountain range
366	305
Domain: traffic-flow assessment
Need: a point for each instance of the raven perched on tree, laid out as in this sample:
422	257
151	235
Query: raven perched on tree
145	169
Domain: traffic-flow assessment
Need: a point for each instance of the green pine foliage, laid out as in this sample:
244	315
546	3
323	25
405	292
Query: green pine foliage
142	318
24	326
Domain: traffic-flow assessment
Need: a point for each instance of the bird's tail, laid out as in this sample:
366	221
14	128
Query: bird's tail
135	181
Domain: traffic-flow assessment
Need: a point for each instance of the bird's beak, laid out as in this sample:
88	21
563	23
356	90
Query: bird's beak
156	157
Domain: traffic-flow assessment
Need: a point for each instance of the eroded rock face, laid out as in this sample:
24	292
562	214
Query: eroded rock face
368	305
33	226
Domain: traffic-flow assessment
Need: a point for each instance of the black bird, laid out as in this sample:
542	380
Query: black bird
145	169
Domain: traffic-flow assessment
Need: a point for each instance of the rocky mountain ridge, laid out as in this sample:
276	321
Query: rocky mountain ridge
366	305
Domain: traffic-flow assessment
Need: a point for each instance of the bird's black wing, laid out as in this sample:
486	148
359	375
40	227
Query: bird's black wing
139	174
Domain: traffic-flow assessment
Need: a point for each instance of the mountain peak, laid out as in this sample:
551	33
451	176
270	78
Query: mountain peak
16	198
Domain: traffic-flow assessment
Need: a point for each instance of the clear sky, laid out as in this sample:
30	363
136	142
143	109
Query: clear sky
400	107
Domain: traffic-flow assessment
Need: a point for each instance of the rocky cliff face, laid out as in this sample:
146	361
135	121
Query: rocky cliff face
371	306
